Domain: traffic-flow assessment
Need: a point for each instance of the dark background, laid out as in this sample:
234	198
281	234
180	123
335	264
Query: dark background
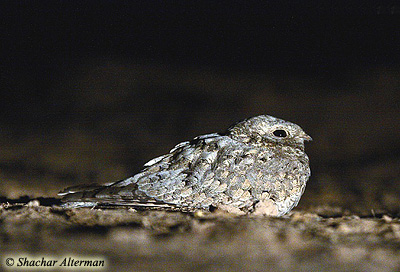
91	91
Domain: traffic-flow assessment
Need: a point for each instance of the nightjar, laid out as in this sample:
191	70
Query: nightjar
257	166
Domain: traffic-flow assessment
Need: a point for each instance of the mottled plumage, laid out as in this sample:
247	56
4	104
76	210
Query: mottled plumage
258	166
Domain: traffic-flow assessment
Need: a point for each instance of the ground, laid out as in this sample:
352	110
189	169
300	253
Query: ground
323	239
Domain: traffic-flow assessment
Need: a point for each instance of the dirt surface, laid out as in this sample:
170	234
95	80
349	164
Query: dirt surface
322	239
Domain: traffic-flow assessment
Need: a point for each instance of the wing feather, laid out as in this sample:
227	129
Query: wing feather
160	183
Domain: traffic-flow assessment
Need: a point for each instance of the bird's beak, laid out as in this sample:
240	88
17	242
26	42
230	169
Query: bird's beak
307	137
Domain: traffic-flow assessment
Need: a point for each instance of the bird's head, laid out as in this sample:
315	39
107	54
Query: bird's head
264	129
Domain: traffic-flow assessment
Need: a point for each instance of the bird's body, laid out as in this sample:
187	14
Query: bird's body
258	166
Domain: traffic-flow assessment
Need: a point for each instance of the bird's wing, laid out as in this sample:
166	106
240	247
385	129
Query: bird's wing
163	182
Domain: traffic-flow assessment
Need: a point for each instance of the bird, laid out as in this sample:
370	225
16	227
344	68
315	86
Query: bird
257	166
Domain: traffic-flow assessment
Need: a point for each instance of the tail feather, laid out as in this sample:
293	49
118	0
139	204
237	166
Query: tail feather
95	195
80	188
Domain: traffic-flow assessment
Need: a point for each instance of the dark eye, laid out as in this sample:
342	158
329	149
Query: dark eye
280	133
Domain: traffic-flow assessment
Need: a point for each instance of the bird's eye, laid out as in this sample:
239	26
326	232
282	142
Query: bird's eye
280	133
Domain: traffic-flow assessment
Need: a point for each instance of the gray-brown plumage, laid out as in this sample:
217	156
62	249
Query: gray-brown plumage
258	166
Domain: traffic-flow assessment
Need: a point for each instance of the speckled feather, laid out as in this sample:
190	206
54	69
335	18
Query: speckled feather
258	166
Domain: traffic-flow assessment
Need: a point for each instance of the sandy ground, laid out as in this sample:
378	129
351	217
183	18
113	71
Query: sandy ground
323	239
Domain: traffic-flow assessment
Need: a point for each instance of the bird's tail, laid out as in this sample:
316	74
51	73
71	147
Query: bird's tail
84	195
120	193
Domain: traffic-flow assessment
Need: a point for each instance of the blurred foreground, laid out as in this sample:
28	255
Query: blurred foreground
171	241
